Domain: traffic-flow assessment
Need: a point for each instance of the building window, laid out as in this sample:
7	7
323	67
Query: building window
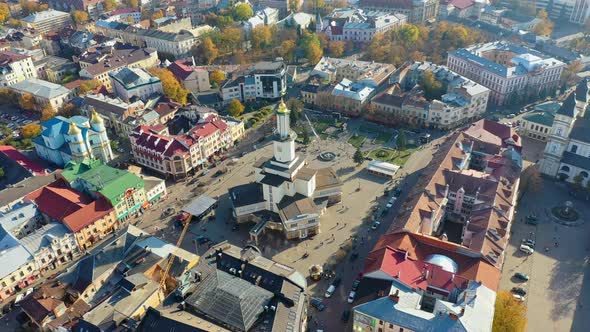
565	168
574	149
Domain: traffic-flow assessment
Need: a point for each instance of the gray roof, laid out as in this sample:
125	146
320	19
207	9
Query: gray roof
133	77
23	188
577	160
43	237
156	321
230	299
199	205
12	254
17	216
246	194
40	88
582	90
568	108
46	15
581	130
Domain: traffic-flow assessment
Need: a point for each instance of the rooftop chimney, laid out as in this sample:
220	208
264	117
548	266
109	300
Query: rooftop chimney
462	312
453	316
395	297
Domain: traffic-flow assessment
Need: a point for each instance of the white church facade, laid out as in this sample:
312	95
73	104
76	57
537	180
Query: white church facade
567	153
288	195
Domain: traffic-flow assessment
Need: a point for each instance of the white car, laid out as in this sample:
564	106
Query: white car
375	225
351	296
330	291
518	298
526	249
391	202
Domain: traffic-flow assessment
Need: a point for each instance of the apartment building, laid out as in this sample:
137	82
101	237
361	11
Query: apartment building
358	25
264	79
21	219
46	21
370	73
15	67
122	189
135	83
463	101
537	124
192	78
576	11
51	246
17	266
417	11
93	7
97	63
87	218
509	70
177	156
175	44
54	69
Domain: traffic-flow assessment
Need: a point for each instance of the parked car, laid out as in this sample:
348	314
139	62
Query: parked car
333	287
202	239
531	220
355	284
317	303
528	242
526	249
345	316
518	298
375	225
391	202
511	115
351	296
397	192
521	276
518	290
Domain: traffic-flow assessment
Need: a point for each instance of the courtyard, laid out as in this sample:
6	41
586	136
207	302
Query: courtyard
558	292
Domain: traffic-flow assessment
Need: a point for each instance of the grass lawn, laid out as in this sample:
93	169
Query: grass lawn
383	138
369	129
391	156
357	141
320	126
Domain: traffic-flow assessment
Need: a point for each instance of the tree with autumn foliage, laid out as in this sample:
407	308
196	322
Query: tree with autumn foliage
79	17
208	50
261	37
31	7
287	50
26	101
242	11
31	130
131	3
545	27
4	12
235	108
47	113
310	43
87	86
509	314
172	88
217	77
110	5
336	48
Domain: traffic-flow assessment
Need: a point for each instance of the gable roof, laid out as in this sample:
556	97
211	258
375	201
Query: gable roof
568	108
582	90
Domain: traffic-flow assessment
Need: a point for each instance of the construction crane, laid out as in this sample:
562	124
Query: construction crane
163	285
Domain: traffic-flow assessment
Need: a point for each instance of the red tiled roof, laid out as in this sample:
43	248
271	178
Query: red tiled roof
7	57
203	129
23	160
75	209
493	132
181	69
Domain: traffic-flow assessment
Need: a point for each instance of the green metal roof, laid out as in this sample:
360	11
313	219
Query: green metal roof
110	182
550	107
542	118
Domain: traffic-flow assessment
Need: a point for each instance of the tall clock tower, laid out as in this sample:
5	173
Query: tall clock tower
284	143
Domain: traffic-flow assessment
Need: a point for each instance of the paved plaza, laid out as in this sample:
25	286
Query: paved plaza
558	293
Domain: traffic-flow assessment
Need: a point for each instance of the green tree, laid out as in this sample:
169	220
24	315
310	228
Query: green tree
2	174
296	107
358	156
509	314
409	34
235	108
578	182
305	137
401	140
433	88
242	12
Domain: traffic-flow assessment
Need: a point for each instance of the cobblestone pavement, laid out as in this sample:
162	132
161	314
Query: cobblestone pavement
559	288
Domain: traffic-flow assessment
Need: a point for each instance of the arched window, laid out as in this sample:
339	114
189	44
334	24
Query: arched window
584	174
565	168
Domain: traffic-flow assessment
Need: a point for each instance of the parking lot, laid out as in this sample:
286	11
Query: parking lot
559	287
14	118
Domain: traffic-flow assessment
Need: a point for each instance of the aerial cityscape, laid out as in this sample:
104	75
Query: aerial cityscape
295	165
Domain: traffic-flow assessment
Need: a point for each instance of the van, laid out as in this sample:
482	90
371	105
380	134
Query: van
526	249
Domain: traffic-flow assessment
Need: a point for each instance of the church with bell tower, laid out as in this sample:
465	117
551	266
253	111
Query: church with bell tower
287	194
74	139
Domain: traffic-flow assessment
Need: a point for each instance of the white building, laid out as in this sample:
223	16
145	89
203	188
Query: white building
15	67
44	93
135	82
508	70
49	20
267	16
155	188
265	79
22	219
51	246
369	73
73	139
567	153
358	25
296	194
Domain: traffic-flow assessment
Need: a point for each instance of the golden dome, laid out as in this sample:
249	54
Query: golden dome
282	107
95	118
73	130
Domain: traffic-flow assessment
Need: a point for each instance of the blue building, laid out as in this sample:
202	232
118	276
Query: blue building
76	138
